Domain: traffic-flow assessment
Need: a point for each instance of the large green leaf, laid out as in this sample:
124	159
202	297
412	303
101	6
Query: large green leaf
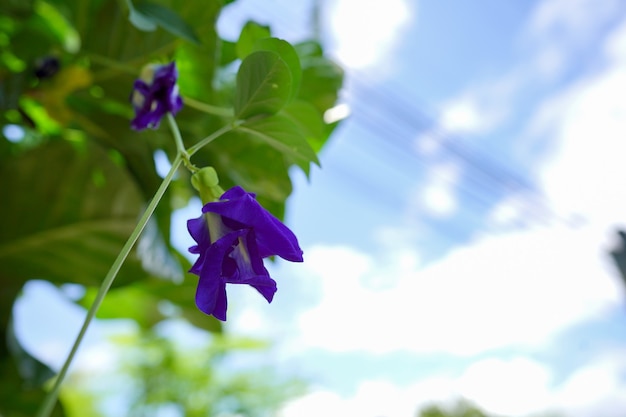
68	211
166	18
309	121
197	63
16	400
33	372
250	33
147	302
321	78
283	135
106	32
127	302
21	375
264	85
288	54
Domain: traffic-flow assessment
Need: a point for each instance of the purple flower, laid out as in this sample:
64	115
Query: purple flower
233	236
155	94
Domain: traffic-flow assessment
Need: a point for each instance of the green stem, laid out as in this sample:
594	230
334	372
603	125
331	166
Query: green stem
208	108
51	398
195	148
180	146
113	64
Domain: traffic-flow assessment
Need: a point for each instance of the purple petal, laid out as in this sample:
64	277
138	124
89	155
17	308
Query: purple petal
211	291
207	293
273	237
160	96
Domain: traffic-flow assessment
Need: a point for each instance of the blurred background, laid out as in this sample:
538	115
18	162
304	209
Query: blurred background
457	238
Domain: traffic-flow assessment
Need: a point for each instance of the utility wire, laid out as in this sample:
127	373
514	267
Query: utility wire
395	122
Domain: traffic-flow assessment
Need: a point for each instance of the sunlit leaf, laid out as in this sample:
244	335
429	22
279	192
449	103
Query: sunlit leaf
128	302
250	34
263	85
141	21
167	19
309	121
33	372
70	210
288	54
283	135
321	78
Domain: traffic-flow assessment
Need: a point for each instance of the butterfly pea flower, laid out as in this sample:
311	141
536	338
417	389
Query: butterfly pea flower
233	235
155	94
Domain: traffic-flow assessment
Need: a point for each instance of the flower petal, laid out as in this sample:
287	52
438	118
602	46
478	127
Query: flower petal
211	292
273	237
155	96
200	233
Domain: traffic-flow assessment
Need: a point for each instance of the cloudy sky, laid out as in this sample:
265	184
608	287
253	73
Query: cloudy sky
456	237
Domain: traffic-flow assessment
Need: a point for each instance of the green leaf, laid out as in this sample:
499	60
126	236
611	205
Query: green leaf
309	121
140	20
288	54
71	210
250	34
16	400
167	19
33	372
283	135
128	302
21	375
103	31
182	295
228	52
143	302
321	78
196	62
264	85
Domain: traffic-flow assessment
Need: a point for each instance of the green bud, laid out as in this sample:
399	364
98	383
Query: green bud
207	183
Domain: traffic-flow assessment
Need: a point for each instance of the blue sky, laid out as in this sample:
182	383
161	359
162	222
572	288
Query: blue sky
456	237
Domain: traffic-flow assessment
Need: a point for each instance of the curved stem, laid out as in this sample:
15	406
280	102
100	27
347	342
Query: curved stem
180	146
51	398
208	108
195	148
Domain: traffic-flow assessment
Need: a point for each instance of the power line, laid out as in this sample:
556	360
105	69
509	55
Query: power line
396	118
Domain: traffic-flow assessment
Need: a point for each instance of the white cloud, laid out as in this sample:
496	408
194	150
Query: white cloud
509	387
597	388
500	292
586	124
437	196
482	106
513	387
555	32
365	32
465	114
558	29
571	20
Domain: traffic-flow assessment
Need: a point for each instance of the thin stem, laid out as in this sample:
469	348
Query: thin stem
113	64
51	398
195	148
208	108
180	146
114	67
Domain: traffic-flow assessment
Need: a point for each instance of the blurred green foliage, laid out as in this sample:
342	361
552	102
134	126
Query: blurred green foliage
75	178
461	409
156	375
464	408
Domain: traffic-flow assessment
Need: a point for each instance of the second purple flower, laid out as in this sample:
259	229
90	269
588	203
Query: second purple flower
154	95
